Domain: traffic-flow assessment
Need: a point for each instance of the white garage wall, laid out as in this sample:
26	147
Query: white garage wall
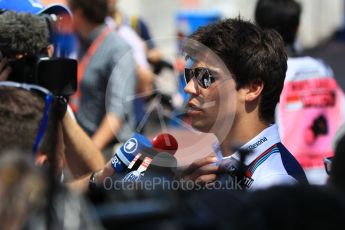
320	17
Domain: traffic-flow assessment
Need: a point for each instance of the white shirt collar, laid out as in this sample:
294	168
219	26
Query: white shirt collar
259	144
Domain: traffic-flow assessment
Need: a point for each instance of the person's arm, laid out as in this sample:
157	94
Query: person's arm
106	132
145	81
82	156
81	185
144	73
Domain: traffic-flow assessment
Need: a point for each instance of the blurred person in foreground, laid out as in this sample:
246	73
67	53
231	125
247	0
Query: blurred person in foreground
235	74
311	104
291	207
336	166
30	200
21	189
26	35
106	77
32	132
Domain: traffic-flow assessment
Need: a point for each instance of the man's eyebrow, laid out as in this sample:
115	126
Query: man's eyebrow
215	70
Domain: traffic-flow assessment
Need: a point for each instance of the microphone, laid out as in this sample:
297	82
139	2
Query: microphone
129	151
162	165
162	142
166	143
22	34
136	174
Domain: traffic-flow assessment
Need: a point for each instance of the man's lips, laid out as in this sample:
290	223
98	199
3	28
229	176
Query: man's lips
193	106
207	105
193	110
196	109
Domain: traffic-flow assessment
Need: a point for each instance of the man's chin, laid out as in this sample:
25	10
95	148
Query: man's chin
200	126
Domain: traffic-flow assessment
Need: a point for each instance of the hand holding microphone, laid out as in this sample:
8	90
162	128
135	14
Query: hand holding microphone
122	158
164	163
160	156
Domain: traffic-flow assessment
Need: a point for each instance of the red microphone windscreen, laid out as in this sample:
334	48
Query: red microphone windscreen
165	142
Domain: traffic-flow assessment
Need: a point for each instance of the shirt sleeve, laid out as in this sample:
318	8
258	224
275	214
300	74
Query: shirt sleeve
136	44
121	86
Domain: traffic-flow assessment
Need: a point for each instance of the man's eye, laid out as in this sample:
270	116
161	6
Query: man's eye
207	82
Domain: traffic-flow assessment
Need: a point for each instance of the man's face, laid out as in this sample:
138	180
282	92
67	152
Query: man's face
212	108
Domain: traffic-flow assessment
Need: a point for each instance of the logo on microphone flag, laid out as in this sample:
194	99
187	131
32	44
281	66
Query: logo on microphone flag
131	145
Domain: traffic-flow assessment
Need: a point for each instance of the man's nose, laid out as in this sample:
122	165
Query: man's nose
192	87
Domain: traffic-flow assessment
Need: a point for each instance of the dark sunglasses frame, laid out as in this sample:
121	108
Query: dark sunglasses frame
47	95
203	76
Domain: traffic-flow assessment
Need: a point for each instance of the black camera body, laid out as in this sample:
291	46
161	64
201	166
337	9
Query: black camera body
58	75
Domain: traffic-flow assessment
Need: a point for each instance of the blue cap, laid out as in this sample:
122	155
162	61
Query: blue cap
33	7
64	42
23	6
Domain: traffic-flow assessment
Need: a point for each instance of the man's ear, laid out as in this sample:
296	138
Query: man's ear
253	90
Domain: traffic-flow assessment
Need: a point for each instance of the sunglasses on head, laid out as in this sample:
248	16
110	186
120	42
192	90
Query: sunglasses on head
48	97
201	74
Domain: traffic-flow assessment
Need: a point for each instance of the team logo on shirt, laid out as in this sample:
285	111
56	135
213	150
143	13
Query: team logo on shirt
257	144
247	182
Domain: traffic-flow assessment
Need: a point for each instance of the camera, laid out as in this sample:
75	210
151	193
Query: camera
25	40
58	75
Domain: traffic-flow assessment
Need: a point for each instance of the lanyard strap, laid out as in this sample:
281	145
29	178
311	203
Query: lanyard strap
83	63
260	159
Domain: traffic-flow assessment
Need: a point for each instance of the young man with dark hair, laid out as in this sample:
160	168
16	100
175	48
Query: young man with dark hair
106	76
235	77
311	103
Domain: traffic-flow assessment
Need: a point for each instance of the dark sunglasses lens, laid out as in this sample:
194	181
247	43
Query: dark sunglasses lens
204	77
188	75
